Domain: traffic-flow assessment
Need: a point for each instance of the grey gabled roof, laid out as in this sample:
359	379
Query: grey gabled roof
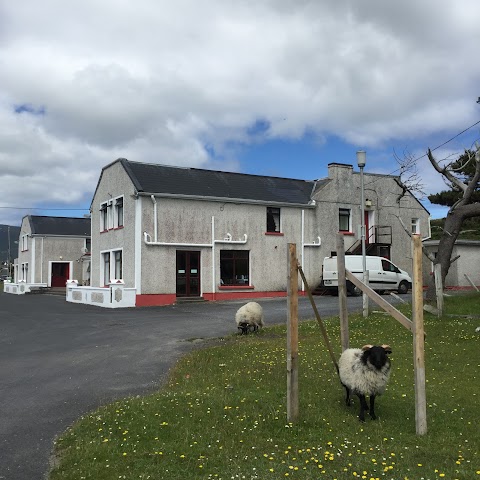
62	226
198	183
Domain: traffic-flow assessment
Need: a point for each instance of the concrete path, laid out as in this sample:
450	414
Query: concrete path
60	360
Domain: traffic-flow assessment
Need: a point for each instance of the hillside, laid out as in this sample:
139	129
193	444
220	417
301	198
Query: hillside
470	229
14	234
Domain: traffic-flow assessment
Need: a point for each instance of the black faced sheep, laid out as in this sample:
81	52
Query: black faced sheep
364	372
249	317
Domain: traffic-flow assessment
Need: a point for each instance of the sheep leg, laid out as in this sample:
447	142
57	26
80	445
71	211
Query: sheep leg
363	407
372	407
347	398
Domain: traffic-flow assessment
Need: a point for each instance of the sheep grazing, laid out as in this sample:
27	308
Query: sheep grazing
364	372
249	317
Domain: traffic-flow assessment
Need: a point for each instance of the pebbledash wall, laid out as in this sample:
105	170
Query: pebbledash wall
156	226
465	271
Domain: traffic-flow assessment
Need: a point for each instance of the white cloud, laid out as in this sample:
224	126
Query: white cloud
159	81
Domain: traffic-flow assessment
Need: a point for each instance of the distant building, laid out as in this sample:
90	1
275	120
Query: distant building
51	251
465	270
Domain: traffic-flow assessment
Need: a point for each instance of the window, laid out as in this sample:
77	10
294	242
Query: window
416	226
24	276
103	217
118	264
234	267
88	245
118	212
344	220
24	244
388	267
106	268
112	266
273	220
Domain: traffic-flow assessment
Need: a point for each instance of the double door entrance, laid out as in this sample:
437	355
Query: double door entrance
188	273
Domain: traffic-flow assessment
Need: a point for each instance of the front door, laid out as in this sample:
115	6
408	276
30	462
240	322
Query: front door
188	273
60	274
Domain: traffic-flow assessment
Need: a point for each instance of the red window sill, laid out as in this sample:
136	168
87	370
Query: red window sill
103	231
236	287
276	234
118	228
347	233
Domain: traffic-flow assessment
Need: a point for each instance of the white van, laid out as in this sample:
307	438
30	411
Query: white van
383	274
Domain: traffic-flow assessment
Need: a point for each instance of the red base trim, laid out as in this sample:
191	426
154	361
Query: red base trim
217	296
155	300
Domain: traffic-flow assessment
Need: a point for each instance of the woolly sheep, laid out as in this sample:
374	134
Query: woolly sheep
249	316
364	372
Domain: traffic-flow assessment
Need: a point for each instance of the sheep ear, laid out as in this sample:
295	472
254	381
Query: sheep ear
366	347
387	348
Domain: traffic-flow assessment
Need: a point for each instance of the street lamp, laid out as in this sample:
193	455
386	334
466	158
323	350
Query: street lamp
361	161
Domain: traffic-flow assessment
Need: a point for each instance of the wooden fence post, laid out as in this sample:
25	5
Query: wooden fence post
342	293
292	334
439	288
418	339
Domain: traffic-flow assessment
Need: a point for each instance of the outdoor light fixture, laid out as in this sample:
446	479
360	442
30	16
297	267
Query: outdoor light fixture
361	158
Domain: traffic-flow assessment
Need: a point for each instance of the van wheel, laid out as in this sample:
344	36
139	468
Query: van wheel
353	290
403	287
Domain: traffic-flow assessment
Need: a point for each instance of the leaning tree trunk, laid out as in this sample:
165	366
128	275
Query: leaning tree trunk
451	230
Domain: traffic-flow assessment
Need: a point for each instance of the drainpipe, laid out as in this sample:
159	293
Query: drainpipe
155	226
213	259
303	246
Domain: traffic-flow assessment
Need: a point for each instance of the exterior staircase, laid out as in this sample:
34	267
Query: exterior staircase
377	242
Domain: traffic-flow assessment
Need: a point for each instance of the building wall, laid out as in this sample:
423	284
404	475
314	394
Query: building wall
151	269
58	249
187	221
468	263
114	182
343	191
25	256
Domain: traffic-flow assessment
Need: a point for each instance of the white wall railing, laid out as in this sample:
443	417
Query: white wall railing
113	296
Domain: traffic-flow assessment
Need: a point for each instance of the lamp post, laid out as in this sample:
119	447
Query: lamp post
361	160
8	259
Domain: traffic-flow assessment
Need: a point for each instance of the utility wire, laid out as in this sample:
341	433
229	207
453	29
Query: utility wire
432	150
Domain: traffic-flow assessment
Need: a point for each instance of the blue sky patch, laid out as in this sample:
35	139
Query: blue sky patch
29	108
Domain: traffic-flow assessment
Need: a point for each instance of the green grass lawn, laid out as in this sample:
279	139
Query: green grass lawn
222	414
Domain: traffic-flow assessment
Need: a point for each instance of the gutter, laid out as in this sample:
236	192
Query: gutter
226	200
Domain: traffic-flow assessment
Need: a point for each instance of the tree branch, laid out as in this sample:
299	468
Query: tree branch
445	172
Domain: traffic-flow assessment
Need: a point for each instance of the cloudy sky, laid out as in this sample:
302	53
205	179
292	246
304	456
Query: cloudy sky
272	87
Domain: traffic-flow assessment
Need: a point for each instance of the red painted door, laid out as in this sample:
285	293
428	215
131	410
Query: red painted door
60	274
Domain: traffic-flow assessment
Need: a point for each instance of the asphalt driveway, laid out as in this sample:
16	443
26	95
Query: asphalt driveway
59	360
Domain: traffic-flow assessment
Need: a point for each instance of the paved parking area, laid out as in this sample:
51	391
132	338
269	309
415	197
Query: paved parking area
60	360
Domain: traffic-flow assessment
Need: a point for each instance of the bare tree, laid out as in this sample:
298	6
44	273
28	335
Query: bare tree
464	207
462	177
